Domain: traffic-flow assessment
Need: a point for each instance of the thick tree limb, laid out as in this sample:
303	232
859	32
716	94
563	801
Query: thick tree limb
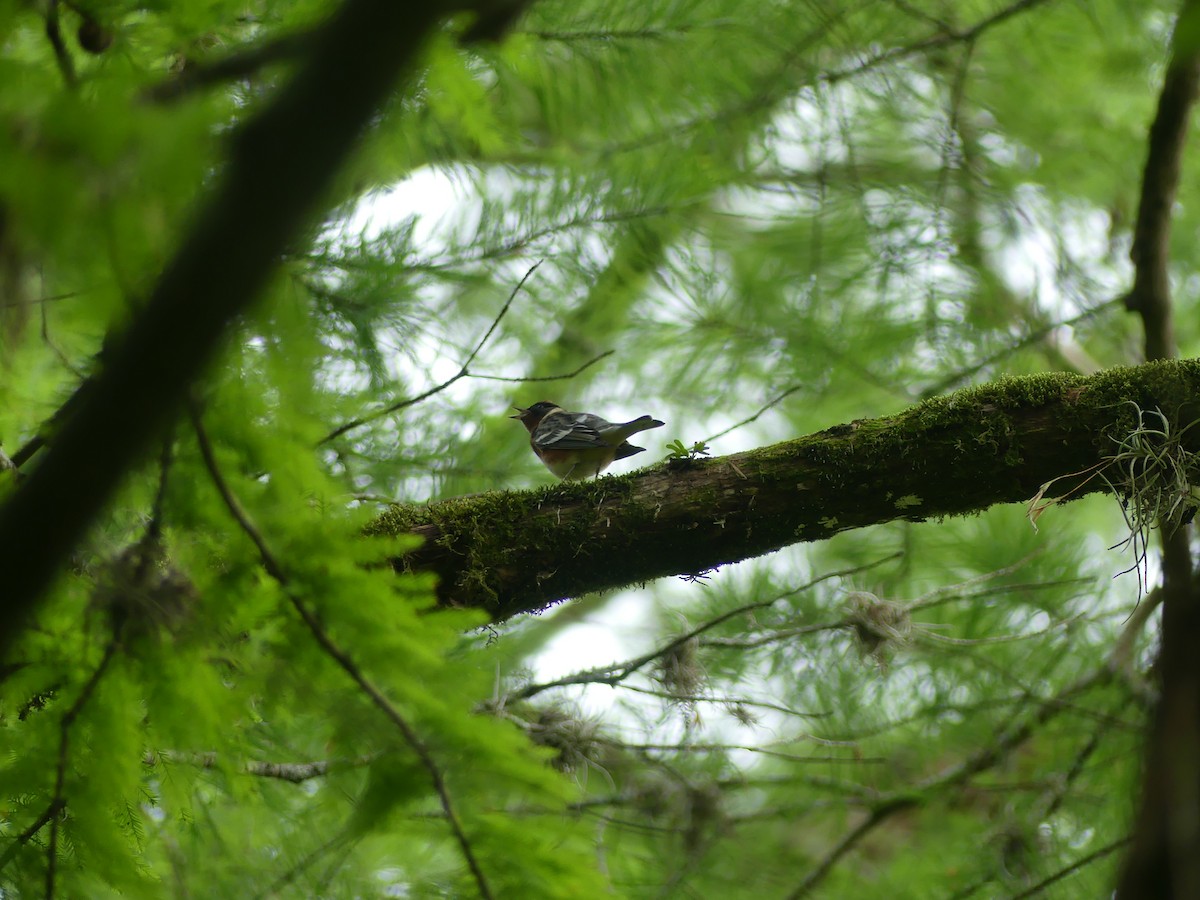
1164	860
281	164
519	551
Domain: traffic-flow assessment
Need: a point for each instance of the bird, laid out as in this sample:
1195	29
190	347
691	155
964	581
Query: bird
577	445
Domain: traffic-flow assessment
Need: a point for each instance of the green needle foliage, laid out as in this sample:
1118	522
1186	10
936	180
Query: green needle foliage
754	221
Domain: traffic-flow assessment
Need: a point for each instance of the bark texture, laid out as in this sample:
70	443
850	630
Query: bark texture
519	551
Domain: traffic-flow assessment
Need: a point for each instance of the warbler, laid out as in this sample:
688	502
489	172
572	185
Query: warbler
579	445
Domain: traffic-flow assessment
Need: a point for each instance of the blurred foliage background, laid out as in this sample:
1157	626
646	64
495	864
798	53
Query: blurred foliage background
753	221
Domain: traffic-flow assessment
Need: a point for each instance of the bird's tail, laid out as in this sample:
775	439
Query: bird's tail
642	423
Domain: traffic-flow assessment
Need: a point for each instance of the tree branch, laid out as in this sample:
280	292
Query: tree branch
242	63
463	372
1163	859
281	164
519	551
984	759
1150	296
274	568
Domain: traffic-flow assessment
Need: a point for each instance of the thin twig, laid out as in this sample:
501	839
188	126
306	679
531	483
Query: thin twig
986	758
1059	794
939	597
25	836
61	55
437	389
740	701
59	802
878	815
768	405
1074	867
275	569
563	377
57	350
241	63
1034	337
1120	658
26	451
715	747
295	773
165	458
615	674
940	38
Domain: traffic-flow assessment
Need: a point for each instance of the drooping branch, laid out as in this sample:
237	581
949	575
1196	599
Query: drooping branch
519	551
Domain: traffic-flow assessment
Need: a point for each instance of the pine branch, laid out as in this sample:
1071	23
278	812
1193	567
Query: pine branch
273	567
281	163
520	551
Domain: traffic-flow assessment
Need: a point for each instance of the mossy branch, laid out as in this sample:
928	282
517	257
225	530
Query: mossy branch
519	551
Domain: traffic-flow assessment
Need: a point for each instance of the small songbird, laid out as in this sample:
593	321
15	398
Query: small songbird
579	445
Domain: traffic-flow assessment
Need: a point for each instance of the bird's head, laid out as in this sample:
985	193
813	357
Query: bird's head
530	417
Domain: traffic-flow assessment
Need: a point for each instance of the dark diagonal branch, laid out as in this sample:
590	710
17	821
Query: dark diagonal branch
281	163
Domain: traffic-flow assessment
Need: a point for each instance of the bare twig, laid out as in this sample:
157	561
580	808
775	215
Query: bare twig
986	758
563	377
1121	659
1073	868
59	801
437	389
740	701
881	813
768	405
25	836
26	451
165	457
275	569
715	747
1034	337
615	674
938	597
241	63
1059	794
941	38
61	55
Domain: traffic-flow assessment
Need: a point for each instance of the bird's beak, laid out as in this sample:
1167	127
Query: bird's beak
520	412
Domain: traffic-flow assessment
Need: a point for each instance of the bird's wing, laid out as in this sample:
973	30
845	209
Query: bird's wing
571	431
